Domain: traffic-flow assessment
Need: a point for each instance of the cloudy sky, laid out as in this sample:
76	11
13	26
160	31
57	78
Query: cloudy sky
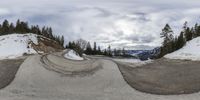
133	24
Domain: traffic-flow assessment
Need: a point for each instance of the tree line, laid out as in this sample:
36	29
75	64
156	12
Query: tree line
22	27
172	43
82	46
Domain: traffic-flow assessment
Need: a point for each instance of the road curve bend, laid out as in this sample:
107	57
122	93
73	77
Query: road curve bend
58	63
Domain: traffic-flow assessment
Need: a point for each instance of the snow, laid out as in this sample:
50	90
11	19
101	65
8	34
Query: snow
73	55
15	45
136	62
189	52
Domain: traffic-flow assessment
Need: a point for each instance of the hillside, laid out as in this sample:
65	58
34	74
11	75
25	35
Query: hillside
189	52
15	45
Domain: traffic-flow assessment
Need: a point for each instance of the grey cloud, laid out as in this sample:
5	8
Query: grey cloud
116	22
108	41
147	39
104	13
140	38
140	47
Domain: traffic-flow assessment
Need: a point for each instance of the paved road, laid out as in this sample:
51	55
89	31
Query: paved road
163	76
57	62
34	82
8	69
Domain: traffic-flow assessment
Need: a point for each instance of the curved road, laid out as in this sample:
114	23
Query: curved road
46	78
163	76
8	69
57	62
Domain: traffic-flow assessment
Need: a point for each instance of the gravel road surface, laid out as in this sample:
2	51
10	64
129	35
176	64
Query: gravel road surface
34	81
8	69
163	76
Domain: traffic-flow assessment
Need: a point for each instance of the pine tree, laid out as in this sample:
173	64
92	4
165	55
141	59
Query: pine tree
5	27
18	26
109	51
66	46
70	45
1	31
88	49
99	50
11	28
95	48
196	31
50	32
105	52
62	41
181	41
188	34
38	31
73	45
167	45
123	52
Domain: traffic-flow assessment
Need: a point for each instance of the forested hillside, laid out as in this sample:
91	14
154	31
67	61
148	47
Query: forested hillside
172	43
22	27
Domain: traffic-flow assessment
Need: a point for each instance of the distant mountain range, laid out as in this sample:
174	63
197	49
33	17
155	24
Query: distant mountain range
144	54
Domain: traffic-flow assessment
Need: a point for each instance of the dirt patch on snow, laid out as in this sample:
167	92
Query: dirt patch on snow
46	45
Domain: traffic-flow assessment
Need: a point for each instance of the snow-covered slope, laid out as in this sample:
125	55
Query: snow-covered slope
73	55
15	45
191	51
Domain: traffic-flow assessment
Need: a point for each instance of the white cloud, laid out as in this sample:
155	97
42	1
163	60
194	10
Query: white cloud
120	23
4	11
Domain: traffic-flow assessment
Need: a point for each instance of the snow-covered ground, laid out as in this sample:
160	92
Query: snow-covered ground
191	51
15	45
73	55
136	62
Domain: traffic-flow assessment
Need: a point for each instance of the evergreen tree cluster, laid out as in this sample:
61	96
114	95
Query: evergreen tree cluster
172	43
96	50
89	50
22	27
93	51
121	52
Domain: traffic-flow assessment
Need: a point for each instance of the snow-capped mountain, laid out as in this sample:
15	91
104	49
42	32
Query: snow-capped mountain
189	52
15	45
144	54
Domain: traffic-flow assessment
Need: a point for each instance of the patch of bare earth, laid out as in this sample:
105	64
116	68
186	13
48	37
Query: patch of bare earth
8	69
163	76
46	45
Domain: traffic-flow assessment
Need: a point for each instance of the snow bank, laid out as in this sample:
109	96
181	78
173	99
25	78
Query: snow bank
73	55
15	45
134	61
189	52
